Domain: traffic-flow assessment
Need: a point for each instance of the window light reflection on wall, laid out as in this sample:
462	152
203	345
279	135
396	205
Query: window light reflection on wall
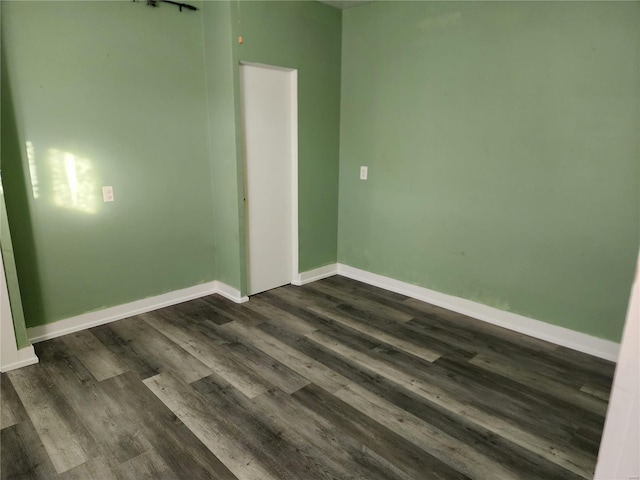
73	181
33	170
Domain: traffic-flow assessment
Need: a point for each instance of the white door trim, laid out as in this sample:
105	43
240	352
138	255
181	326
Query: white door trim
11	357
294	176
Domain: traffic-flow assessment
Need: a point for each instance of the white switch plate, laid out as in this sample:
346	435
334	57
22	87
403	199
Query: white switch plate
364	171
107	194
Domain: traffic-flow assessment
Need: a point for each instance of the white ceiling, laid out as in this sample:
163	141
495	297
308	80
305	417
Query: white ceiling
344	4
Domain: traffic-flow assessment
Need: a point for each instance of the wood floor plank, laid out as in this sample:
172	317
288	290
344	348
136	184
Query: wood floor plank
302	297
537	412
308	368
65	438
407	331
297	309
219	360
348	334
310	350
33	387
531	359
217	431
11	409
23	455
52	350
267	367
596	391
126	350
502	366
98	468
331	380
458	455
475	338
380	335
233	311
346	455
180	449
158	350
178	328
281	317
101	362
542	415
198	310
364	289
420	309
373	377
290	442
575	365
358	301
486	390
61	438
573	461
417	308
115	436
599	368
384	441
146	466
529	465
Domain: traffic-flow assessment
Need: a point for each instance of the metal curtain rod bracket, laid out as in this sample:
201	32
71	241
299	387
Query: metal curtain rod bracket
180	5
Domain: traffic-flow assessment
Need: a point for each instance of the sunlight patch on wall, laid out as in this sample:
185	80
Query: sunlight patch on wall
73	181
33	170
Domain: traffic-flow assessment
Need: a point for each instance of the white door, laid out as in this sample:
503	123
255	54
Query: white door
269	107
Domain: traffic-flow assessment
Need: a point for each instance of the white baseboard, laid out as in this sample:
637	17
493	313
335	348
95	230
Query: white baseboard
107	315
230	293
315	274
535	328
25	356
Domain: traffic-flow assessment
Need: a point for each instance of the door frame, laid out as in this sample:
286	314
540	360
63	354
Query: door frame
294	169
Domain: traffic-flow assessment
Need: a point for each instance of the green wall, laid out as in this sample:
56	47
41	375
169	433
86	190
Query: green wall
229	252
501	140
503	152
8	144
147	100
305	36
105	93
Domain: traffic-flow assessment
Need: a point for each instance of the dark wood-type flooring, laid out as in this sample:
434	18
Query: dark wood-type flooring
333	380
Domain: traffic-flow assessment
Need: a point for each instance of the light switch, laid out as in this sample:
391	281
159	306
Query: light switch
364	171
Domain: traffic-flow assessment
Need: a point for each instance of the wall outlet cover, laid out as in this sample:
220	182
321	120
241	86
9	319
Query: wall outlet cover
107	194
